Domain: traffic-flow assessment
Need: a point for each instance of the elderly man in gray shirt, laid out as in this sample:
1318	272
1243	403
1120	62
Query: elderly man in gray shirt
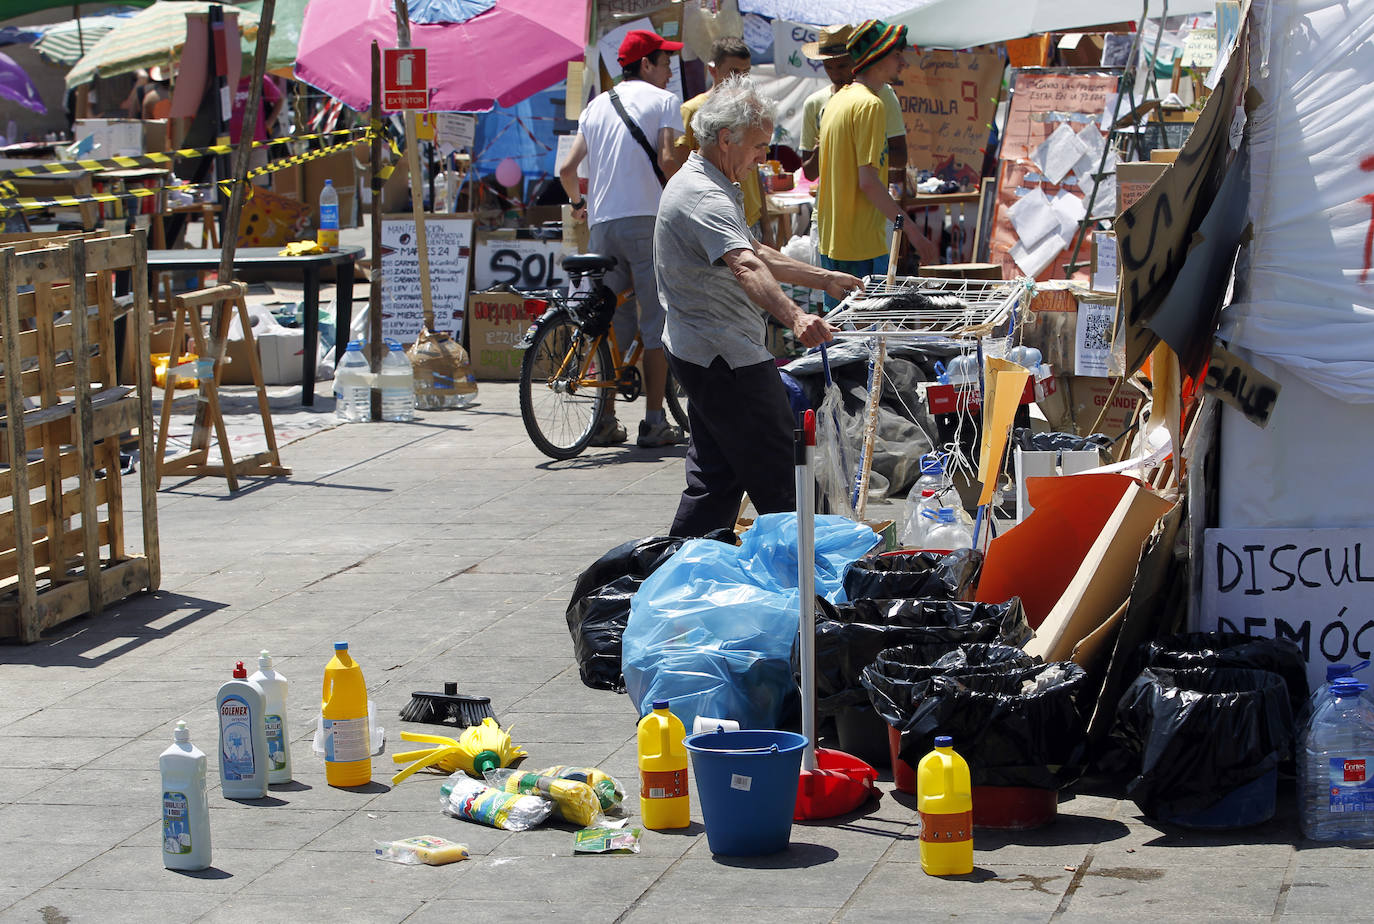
717	282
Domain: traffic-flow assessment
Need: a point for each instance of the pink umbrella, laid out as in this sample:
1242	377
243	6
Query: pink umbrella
503	55
15	85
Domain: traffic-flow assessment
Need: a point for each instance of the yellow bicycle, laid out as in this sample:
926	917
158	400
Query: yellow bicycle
573	365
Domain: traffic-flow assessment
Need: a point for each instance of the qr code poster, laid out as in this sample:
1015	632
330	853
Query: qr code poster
1092	351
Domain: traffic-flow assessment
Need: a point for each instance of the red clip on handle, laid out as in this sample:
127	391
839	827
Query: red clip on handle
809	427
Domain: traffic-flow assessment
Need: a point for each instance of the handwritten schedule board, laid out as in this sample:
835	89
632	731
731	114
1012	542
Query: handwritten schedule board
1314	587
450	256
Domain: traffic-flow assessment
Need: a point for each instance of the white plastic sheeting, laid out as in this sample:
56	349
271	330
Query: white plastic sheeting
1305	289
965	23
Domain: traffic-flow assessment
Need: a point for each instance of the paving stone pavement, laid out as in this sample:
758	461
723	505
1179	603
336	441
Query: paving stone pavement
446	549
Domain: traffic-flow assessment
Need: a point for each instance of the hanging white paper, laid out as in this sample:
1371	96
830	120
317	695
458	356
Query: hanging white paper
1033	217
1059	152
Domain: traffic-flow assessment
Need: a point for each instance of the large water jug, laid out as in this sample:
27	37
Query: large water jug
1335	765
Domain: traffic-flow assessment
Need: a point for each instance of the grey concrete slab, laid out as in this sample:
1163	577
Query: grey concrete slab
344	905
116	906
1201	890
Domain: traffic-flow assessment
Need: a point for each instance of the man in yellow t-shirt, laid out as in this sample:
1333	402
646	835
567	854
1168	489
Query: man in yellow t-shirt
854	208
729	57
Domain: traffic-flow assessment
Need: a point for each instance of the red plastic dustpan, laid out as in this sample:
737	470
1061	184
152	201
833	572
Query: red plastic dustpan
832	782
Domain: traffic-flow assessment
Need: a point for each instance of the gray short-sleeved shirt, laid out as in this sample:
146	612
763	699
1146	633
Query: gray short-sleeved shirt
700	219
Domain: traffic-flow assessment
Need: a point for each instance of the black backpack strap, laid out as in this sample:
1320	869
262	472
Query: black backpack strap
638	134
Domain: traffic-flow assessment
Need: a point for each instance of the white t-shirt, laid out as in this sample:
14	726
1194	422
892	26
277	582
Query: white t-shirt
620	178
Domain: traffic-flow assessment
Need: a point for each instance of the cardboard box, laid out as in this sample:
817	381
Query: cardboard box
113	137
339	168
1133	180
495	323
1088	395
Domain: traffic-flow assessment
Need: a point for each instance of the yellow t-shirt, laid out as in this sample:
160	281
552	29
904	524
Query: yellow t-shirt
687	142
853	135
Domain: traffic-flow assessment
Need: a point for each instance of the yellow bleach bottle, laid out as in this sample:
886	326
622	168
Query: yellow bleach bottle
663	799
944	798
343	706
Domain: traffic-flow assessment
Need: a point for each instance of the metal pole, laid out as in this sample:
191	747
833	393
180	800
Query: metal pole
374	311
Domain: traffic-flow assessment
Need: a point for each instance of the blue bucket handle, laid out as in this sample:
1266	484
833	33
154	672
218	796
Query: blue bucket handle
771	749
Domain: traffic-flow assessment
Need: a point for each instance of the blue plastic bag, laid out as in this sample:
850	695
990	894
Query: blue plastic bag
712	629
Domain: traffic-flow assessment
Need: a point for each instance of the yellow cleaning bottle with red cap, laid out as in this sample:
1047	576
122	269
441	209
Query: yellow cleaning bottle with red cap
663	799
944	798
343	706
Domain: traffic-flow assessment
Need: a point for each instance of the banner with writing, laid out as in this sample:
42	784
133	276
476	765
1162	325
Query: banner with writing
948	100
788	38
1310	586
449	240
520	264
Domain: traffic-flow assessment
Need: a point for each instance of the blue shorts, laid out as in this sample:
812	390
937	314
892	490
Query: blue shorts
861	268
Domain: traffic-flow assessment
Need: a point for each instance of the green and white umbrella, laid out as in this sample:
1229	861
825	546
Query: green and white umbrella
152	37
66	42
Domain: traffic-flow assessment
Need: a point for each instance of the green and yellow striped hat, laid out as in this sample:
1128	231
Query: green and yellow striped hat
872	39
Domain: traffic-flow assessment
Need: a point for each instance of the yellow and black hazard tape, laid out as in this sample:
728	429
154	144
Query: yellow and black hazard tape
166	157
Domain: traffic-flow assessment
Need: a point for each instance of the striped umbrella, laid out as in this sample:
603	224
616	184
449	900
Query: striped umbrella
66	42
151	37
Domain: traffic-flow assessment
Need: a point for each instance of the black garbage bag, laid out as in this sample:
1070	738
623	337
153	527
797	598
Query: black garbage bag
1030	441
927	575
1233	649
600	604
1014	726
1200	733
900	677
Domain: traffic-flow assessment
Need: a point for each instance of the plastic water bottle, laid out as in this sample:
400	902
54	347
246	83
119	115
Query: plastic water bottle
952	529
944	799
353	385
273	686
242	738
185	809
396	380
933	477
1334	672
915	523
663	799
1335	767
347	736
328	236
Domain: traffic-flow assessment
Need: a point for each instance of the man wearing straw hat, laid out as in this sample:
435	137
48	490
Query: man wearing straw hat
718	283
854	209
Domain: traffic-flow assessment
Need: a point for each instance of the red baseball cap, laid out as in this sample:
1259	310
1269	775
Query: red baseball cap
641	43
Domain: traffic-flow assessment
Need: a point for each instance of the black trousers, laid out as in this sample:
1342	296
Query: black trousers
741	441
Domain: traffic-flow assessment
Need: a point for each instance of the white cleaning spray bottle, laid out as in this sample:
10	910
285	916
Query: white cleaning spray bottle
185	811
242	738
273	686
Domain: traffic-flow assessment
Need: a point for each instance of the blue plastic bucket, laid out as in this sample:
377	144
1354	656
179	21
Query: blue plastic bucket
747	784
1251	804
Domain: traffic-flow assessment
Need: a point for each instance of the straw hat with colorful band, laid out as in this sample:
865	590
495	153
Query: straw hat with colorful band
830	43
872	39
639	44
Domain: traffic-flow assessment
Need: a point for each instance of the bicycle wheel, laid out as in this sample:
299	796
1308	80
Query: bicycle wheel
559	411
676	400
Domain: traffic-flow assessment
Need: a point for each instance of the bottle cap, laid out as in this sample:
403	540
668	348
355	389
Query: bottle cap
341	646
355	345
660	704
930	464
239	672
1348	686
484	761
927	493
944	741
182	735
329	182
264	660
1336	671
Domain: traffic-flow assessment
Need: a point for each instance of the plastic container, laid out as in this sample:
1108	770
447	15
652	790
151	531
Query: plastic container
242	738
747	782
915	522
273	686
396	380
1336	766
185	809
1334	672
664	801
353	385
944	799
328	236
343	706
933	477
950	528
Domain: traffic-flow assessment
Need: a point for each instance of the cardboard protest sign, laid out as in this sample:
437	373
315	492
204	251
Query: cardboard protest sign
948	100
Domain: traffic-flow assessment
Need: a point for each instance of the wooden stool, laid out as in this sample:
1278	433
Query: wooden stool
195	462
209	238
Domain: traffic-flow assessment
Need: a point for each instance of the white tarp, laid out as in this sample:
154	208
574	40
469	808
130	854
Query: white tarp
965	23
1305	287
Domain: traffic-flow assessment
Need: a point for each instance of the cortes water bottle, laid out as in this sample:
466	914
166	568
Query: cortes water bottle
328	236
185	810
273	686
944	798
343	706
242	738
353	385
1336	767
396	380
663	799
1334	672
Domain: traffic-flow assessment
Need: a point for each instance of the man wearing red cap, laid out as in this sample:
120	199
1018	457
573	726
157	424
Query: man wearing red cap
627	136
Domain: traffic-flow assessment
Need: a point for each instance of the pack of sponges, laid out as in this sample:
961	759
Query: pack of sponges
581	795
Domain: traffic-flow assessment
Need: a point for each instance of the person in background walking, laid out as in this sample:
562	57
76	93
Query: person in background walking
627	137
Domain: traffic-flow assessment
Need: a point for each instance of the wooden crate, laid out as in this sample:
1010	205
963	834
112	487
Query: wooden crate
62	535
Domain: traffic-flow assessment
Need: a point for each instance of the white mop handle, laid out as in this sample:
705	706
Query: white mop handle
806	586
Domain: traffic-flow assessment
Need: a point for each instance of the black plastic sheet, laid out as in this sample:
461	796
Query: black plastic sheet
1235	650
925	575
900	677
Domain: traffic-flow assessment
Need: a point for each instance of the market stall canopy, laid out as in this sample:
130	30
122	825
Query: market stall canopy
967	23
503	55
66	42
151	37
15	85
13	9
287	17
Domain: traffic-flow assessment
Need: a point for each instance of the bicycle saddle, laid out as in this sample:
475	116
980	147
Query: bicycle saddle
588	263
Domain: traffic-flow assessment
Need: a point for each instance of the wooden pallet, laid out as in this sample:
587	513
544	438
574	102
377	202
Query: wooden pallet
62	538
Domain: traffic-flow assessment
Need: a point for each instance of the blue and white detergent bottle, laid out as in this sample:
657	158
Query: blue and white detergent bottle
242	738
185	812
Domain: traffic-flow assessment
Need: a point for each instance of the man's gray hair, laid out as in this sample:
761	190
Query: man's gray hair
735	105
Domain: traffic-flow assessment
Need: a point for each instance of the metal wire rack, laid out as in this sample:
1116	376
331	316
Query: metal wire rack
982	305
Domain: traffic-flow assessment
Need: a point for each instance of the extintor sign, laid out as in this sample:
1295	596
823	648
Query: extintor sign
405	79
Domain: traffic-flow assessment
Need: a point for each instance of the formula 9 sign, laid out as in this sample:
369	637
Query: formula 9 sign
1310	586
520	264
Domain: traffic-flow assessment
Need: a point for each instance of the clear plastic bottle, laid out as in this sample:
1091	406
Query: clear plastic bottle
396	380
185	809
353	385
1334	672
328	236
1335	765
933	477
915	521
952	529
273	686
